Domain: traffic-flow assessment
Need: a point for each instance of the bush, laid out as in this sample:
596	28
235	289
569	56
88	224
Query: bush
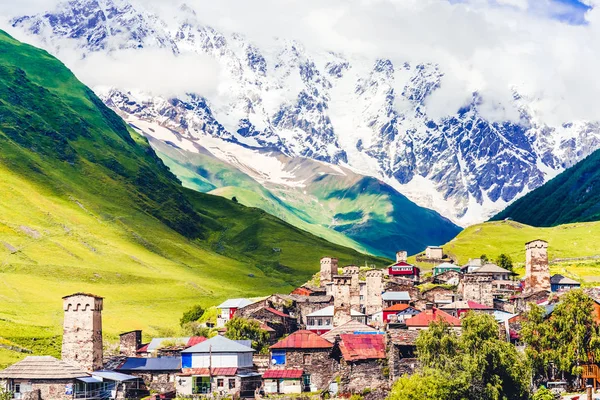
192	315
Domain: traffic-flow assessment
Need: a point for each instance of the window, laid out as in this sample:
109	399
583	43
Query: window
307	359
220	383
232	384
327	321
319	322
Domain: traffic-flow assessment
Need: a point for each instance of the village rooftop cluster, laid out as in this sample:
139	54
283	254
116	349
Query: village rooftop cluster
343	333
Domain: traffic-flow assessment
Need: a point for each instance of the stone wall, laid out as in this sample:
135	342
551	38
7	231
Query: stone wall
281	325
157	381
321	364
360	375
478	288
82	333
51	389
537	272
129	342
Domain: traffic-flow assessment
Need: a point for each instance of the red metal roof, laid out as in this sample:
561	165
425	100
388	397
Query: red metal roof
215	371
397	307
362	347
144	348
426	317
194	340
274	311
283	374
303	340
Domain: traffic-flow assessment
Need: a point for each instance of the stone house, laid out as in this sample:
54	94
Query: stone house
165	347
307	351
438	295
560	283
349	327
401	351
450	277
459	308
391	298
218	365
363	362
323	321
45	378
157	373
280	322
431	314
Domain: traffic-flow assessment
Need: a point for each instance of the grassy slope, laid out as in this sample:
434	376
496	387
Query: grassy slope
354	211
509	237
572	196
87	206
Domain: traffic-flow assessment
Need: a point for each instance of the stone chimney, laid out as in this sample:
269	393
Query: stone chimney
329	268
537	272
402	255
129	343
429	308
82	331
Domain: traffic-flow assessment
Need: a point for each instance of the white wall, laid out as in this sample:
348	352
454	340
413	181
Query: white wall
225	360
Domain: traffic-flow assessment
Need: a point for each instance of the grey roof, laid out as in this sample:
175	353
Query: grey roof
351	326
492	269
151	364
562	280
328	312
447	265
235	303
113	376
156	343
396	296
42	367
219	344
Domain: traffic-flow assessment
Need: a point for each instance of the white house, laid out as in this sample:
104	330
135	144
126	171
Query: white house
228	308
218	365
321	321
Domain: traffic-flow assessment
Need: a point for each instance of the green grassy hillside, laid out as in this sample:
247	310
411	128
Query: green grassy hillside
572	247
572	196
86	205
336	204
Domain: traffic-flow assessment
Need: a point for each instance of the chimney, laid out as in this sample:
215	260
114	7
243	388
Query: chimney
402	255
429	308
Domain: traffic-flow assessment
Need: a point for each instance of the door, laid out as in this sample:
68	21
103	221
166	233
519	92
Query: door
306	383
201	385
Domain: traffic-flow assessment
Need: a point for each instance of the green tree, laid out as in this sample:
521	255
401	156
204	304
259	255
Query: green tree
505	262
245	329
540	339
484	258
191	315
543	394
197	329
5	394
477	365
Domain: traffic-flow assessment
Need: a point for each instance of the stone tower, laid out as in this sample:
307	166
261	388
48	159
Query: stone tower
402	255
537	272
478	288
353	271
82	332
130	342
373	302
341	299
329	268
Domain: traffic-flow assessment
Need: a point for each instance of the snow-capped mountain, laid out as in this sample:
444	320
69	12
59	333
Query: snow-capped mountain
367	115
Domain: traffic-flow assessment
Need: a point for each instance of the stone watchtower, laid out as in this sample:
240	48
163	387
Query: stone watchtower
478	288
401	256
353	271
373	302
537	272
130	342
341	299
82	333
329	268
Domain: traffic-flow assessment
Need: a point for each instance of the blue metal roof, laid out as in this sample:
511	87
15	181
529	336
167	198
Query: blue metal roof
113	376
151	364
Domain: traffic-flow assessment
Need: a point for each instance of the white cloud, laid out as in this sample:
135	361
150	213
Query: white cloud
488	46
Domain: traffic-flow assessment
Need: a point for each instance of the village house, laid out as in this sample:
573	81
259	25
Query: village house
166	347
472	265
445	267
438	296
401	351
283	381
392	298
459	308
431	314
434	252
322	321
306	351
402	269
560	283
218	365
399	313
497	273
157	373
228	308
363	364
280	322
450	277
